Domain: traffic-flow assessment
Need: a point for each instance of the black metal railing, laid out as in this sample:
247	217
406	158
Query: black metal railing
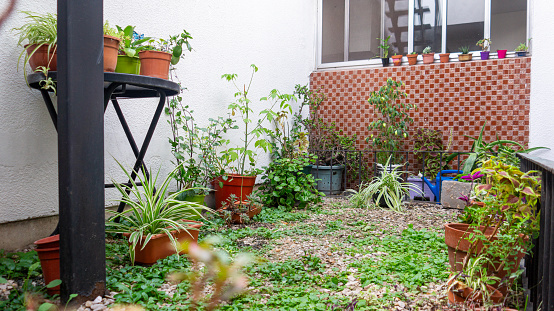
539	271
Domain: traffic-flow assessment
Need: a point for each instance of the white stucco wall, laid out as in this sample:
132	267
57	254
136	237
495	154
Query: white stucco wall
277	36
542	77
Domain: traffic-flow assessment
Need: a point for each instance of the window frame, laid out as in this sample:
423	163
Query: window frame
411	3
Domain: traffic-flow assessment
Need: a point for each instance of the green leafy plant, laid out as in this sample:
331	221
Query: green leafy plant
387	187
114	32
242	159
522	47
504	149
392	122
285	186
464	49
414	53
232	206
384	46
132	43
174	45
151	211
427	50
484	44
426	144
475	277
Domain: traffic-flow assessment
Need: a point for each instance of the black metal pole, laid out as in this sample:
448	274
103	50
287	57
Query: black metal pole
81	148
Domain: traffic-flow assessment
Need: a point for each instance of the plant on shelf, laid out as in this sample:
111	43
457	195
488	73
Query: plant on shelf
385	190
132	43
412	58
40	32
503	226
484	44
522	48
285	185
195	148
234	211
152	214
112	41
465	55
428	56
397	59
157	56
385	47
392	120
428	147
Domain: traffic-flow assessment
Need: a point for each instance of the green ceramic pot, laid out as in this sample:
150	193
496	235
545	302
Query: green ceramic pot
126	64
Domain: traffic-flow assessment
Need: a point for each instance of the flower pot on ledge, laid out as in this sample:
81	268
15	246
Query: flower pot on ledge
397	60
429	58
444	57
412	59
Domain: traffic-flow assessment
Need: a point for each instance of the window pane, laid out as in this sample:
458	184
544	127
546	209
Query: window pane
332	31
365	28
428	25
508	24
396	25
465	24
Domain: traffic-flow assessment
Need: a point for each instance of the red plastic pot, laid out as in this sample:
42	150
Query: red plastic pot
240	186
48	250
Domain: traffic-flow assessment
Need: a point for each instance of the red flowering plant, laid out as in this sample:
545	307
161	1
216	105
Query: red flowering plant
503	226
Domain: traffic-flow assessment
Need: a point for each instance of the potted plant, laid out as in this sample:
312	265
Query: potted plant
484	44
392	119
237	166
112	39
412	58
384	46
522	48
40	33
444	57
332	148
132	43
385	190
428	56
502	227
465	55
397	59
156	57
154	223
240	212
501	53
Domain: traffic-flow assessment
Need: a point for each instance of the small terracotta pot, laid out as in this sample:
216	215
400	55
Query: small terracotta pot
397	60
160	247
464	57
236	217
240	186
412	59
48	250
429	58
444	57
501	53
155	64
461	297
42	57
111	47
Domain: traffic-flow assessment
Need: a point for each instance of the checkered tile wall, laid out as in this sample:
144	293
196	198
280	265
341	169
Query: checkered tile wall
460	96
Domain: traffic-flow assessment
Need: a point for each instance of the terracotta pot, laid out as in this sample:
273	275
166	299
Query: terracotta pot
155	64
397	60
429	58
461	297
48	250
464	57
501	53
444	57
42	57
160	247
240	186
412	59
111	47
236	217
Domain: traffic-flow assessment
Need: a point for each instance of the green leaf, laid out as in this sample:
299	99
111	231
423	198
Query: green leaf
54	283
45	306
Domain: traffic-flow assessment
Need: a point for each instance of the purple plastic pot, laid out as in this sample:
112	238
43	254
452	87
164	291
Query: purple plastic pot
501	53
485	55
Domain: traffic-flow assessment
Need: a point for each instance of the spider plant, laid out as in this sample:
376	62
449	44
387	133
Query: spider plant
40	30
476	278
151	211
387	187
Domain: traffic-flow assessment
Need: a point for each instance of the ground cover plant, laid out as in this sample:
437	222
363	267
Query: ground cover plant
329	256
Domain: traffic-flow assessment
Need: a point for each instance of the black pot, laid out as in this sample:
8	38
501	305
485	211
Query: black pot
386	61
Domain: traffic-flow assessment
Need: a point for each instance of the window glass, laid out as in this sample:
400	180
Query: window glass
465	24
332	49
427	25
396	25
364	28
508	24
